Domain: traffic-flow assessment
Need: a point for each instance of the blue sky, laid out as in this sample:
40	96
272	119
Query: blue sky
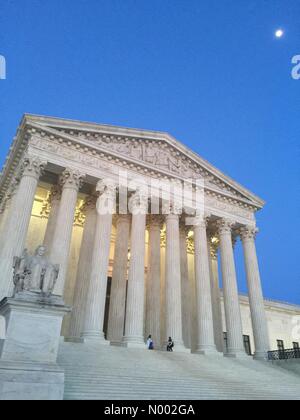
209	72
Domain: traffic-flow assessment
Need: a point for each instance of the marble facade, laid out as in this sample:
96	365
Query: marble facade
163	266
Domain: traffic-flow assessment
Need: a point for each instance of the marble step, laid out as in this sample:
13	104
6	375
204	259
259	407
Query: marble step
175	380
115	373
183	391
213	377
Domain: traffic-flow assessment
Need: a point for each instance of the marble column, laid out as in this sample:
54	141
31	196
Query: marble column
257	307
134	323
230	291
205	333
70	182
185	288
84	268
153	284
216	295
54	200
116	318
173	314
18	221
96	295
7	205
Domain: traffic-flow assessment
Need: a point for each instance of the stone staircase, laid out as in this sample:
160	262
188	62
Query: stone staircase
113	373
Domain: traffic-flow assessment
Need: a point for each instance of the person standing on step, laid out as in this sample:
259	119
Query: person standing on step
170	344
150	344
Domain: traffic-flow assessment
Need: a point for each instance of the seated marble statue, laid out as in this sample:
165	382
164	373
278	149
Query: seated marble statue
35	273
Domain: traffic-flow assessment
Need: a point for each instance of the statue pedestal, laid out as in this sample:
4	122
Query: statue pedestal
28	355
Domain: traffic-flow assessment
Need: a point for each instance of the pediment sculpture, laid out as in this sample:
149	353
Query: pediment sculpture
35	274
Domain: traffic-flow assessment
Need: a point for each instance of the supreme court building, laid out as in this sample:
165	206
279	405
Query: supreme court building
141	227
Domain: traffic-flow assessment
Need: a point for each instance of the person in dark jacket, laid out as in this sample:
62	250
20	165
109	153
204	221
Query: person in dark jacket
170	344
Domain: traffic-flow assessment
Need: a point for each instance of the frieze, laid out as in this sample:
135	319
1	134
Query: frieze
98	160
219	204
157	153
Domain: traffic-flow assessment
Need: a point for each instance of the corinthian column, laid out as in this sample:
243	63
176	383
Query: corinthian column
215	295
185	288
84	268
116	318
18	221
54	198
134	326
96	295
258	314
206	341
230	289
154	281
173	282
70	182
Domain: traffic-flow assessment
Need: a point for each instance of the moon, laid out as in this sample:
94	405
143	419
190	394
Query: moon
279	33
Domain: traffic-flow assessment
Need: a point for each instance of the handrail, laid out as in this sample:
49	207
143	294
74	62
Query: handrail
287	354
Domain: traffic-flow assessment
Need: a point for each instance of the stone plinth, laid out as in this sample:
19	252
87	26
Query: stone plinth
28	369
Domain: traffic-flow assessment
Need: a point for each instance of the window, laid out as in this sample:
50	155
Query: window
296	346
106	314
225	342
247	345
280	345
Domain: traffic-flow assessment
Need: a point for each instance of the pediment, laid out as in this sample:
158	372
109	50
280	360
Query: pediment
155	150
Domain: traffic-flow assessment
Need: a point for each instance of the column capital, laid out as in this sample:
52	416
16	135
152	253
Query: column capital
89	203
248	233
172	216
13	185
10	192
138	202
71	178
106	191
55	193
32	166
106	186
199	219
214	244
172	207
224	226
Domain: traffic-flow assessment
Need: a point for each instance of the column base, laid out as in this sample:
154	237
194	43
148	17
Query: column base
31	382
238	354
94	337
117	343
207	351
134	342
262	356
78	340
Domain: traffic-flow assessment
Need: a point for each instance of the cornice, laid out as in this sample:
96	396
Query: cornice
272	305
13	159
